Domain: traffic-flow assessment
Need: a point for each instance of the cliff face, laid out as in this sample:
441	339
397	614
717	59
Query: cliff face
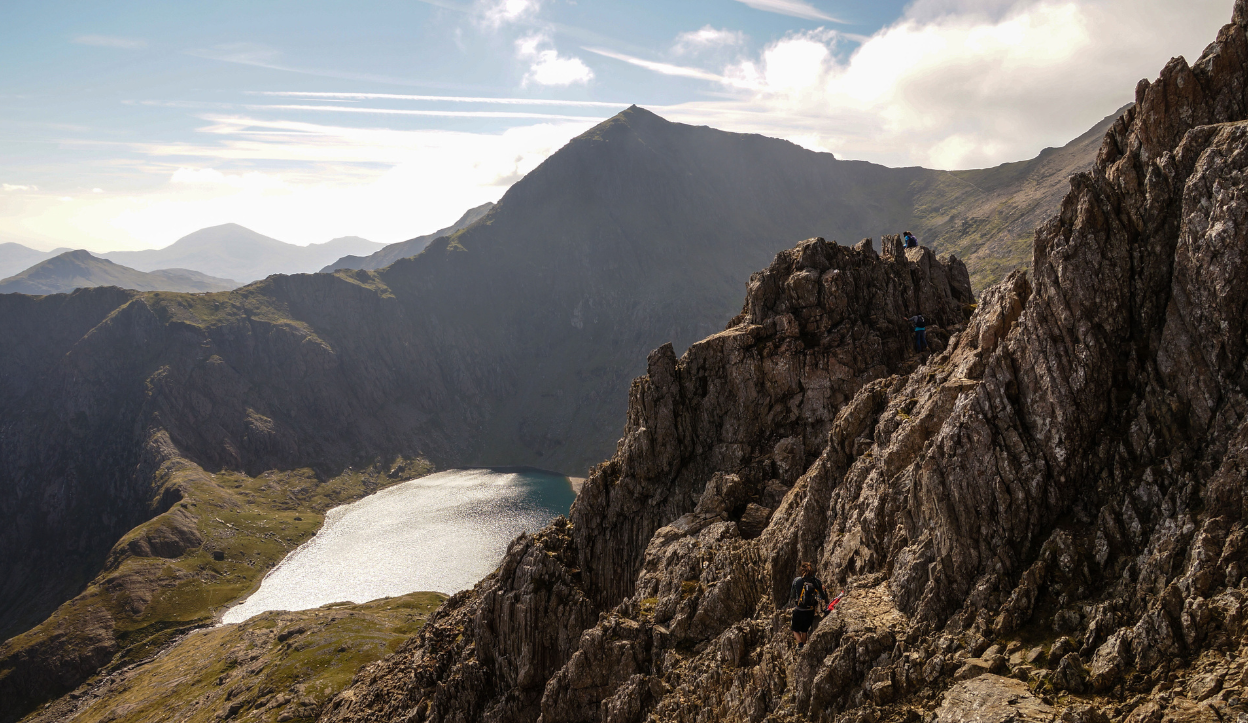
714	442
1056	495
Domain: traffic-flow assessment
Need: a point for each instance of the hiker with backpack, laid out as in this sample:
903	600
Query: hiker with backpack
920	332
806	593
909	241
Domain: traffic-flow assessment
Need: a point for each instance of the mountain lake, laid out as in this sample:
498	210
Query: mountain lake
442	533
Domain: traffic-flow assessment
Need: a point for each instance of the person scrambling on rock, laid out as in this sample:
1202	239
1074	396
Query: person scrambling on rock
806	594
909	241
920	332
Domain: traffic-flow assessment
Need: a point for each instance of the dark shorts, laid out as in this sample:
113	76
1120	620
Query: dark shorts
802	620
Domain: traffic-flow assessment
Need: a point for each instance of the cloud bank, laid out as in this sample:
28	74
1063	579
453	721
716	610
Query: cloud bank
961	83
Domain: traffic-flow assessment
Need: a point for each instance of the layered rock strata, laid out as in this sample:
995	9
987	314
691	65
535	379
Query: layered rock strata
1056	495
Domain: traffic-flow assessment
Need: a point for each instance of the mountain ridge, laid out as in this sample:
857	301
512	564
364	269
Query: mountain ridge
385	256
81	269
236	252
15	257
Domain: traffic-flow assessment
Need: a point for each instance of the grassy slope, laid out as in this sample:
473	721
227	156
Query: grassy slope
277	666
140	602
987	217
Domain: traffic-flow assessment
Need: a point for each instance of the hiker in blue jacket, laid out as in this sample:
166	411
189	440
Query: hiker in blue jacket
920	332
808	595
909	241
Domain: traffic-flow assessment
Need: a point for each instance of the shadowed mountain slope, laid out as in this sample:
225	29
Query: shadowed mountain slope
411	247
233	252
79	270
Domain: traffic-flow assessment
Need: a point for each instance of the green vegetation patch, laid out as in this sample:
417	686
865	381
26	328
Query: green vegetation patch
277	666
244	526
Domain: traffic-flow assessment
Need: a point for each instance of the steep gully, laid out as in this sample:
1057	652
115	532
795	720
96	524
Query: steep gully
1056	494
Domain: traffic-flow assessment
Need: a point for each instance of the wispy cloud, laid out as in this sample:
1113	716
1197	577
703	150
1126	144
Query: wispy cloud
496	13
663	68
707	38
515	115
250	181
261	56
17	187
109	41
547	66
792	8
447	5
441	98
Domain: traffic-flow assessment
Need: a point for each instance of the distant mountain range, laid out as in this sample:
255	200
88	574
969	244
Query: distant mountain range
411	247
15	257
71	270
234	252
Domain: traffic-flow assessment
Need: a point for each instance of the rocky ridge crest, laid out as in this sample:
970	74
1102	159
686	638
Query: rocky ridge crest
1056	494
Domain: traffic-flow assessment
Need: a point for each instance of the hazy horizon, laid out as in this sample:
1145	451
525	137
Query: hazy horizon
132	125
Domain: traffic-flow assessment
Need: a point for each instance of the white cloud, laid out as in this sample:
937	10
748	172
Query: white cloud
97	190
383	184
445	99
707	38
663	68
249	181
552	75
108	41
496	13
792	8
547	66
961	83
17	187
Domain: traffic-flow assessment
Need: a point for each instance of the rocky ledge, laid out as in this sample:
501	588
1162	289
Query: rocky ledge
1044	519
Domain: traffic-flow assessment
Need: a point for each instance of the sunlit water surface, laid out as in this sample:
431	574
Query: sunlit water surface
443	532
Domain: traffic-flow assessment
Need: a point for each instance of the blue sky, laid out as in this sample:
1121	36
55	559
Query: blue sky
130	124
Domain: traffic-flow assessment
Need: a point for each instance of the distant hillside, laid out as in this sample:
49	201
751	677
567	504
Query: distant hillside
411	247
80	270
16	257
988	217
235	252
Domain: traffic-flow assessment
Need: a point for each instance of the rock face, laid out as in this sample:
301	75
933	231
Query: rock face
1067	469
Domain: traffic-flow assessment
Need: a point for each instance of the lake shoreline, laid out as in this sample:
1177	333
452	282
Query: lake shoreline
439	532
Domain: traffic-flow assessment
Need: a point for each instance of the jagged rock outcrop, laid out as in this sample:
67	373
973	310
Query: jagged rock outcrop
1057	494
746	409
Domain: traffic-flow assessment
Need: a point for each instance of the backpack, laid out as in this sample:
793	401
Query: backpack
807	595
922	323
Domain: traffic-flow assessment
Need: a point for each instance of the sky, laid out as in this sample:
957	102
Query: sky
128	124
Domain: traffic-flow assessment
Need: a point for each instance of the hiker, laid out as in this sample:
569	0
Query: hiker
806	592
920	333
909	241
